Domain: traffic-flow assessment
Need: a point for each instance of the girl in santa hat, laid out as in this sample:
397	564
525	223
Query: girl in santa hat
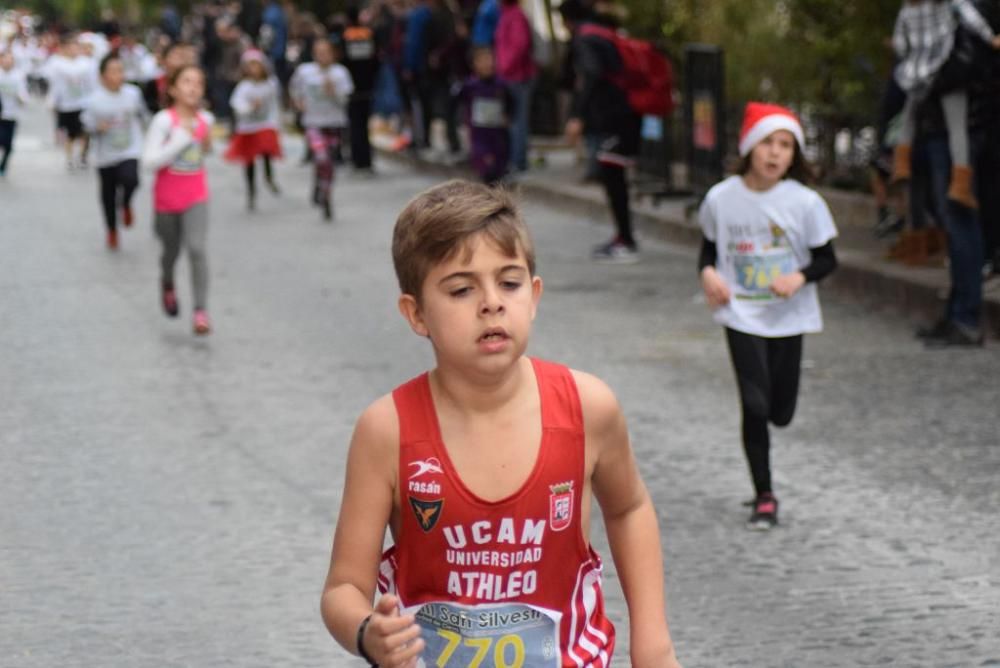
768	240
255	104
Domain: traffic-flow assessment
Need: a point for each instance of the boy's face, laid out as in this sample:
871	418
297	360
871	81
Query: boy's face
476	308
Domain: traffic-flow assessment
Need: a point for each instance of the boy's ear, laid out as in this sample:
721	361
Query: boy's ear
410	310
537	288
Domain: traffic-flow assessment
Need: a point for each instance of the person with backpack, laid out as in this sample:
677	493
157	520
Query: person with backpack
617	81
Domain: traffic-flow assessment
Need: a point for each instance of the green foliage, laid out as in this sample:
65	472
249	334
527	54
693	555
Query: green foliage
829	55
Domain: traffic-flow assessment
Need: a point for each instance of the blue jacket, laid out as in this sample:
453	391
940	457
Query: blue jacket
415	41
484	26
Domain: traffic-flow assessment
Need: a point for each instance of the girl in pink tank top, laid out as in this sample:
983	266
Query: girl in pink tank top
176	143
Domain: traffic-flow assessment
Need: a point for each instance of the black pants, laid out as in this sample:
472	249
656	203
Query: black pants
122	177
615	182
7	130
986	168
767	373
359	110
250	171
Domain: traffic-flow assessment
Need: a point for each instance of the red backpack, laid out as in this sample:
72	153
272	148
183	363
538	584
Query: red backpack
646	75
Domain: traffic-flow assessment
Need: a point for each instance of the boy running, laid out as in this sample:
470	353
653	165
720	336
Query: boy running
483	471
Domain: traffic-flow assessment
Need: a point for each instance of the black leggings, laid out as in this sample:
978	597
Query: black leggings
125	177
251	173
615	182
7	130
767	372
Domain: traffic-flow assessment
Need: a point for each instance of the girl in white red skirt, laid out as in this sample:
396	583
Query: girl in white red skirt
255	104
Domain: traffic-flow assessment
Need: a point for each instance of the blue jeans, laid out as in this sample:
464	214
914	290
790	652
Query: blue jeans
520	123
965	240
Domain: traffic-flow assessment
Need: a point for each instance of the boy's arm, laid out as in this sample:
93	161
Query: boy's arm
365	512
632	527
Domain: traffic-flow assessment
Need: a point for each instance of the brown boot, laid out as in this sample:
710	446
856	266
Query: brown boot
901	159
961	187
937	241
901	248
917	252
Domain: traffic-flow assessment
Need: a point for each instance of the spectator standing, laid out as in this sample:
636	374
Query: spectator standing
601	108
959	324
414	70
360	60
984	125
923	38
274	38
515	65
484	25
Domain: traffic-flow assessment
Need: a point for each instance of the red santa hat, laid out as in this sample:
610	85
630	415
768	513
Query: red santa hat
761	119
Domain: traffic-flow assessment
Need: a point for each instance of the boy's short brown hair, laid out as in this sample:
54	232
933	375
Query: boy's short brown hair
438	223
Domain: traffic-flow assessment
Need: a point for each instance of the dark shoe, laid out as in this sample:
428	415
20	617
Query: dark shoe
957	336
275	190
765	513
169	300
615	252
936	331
328	209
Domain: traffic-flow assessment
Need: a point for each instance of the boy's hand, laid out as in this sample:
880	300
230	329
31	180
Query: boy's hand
716	291
996	42
392	640
788	284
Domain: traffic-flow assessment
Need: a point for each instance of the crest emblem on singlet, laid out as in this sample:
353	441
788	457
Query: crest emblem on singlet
560	506
428	512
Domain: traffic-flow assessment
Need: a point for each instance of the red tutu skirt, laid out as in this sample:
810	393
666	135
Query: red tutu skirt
246	146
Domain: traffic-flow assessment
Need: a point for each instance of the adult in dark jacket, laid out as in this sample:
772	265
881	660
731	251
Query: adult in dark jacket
984	128
360	60
601	108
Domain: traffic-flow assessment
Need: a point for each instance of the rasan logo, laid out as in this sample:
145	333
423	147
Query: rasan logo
424	467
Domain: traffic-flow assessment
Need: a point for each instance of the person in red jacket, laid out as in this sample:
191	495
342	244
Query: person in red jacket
516	67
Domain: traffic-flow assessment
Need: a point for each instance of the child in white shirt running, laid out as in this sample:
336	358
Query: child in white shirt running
255	102
321	90
768	238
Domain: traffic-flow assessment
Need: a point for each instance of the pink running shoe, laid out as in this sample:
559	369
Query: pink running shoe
202	325
169	300
765	513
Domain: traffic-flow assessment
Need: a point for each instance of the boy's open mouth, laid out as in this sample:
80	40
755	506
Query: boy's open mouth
493	334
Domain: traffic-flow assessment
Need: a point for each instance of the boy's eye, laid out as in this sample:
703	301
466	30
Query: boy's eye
510	285
459	292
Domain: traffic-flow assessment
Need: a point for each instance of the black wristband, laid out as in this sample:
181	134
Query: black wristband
361	645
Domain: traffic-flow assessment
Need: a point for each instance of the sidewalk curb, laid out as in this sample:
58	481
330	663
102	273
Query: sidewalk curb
873	283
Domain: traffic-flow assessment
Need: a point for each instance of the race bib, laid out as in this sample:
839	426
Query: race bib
487	112
119	135
488	636
360	49
755	272
257	114
189	161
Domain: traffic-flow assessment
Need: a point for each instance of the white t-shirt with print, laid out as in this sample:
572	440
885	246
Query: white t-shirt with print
121	114
256	105
321	109
760	236
72	80
13	93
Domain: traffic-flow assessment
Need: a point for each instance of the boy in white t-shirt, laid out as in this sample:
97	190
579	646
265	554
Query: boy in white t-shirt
767	242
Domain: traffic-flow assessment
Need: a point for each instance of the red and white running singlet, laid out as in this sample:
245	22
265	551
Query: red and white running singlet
502	584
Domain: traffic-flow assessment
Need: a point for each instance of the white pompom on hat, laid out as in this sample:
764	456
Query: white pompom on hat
761	119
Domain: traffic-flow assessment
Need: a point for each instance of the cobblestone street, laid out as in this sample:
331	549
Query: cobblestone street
168	501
